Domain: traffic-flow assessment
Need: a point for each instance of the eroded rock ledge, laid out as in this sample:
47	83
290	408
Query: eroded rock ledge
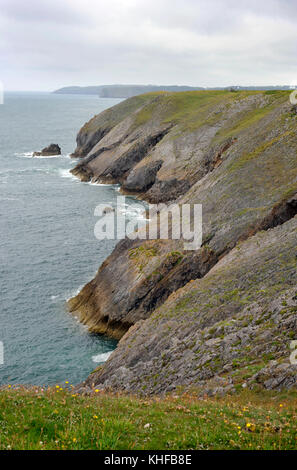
235	154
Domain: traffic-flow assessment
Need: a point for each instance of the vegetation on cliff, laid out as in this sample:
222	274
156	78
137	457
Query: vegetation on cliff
57	419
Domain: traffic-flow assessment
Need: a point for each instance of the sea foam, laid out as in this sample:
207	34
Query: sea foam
101	357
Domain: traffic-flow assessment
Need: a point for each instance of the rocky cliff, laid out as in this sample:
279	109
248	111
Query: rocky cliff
224	315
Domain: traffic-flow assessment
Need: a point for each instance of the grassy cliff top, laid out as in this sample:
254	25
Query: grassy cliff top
56	419
187	108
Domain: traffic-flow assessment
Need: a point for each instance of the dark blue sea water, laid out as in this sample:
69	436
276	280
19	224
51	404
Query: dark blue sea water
47	246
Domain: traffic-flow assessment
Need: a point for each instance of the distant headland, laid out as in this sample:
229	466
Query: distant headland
127	91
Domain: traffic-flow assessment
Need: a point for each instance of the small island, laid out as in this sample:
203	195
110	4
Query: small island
51	150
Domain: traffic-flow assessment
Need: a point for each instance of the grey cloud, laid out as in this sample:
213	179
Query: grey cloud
48	44
53	11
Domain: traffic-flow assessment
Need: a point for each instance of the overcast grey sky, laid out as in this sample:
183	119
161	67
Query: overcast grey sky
47	44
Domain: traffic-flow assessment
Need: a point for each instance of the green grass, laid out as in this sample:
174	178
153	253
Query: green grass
187	109
190	110
239	163
59	419
112	116
142	254
251	118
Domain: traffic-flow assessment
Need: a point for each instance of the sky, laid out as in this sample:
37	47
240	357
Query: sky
47	44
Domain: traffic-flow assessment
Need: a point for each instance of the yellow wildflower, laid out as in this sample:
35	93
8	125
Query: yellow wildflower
251	426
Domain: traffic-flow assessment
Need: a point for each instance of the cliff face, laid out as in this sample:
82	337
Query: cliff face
215	316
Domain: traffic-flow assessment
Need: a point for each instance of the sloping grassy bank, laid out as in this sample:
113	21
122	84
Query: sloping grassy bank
56	418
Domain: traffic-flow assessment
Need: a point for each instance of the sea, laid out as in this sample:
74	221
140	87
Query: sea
48	249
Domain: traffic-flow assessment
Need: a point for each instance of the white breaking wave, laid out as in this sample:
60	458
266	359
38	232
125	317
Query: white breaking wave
94	183
72	294
133	213
66	174
30	155
24	154
102	357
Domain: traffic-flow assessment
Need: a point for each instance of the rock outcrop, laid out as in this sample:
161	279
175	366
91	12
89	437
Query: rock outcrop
52	149
216	317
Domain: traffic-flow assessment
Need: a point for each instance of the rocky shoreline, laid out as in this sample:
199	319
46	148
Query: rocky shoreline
223	316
